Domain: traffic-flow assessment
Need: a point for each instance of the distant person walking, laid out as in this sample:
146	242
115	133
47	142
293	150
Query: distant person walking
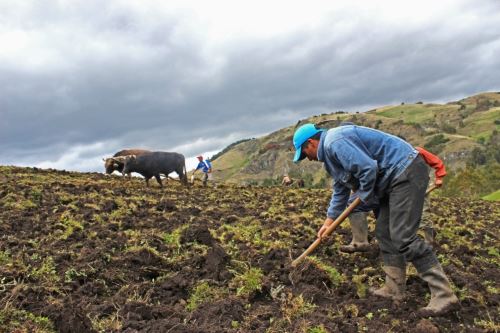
358	217
388	169
287	181
290	182
206	167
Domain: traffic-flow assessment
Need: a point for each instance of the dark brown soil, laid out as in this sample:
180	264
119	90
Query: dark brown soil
94	253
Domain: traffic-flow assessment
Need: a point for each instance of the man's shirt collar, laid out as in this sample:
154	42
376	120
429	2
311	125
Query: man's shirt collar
321	151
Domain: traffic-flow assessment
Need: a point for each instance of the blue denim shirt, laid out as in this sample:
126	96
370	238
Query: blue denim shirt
361	158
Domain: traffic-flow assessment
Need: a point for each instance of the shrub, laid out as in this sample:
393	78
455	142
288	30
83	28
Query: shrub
436	143
473	182
477	157
483	104
447	128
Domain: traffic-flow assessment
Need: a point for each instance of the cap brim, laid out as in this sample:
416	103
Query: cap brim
298	156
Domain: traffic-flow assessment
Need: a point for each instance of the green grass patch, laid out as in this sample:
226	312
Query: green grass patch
481	124
202	293
70	225
409	113
296	307
317	329
248	230
495	196
361	288
17	202
248	281
173	239
231	162
335	276
46	272
5	257
14	320
144	247
72	275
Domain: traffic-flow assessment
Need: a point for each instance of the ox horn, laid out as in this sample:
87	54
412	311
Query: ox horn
122	158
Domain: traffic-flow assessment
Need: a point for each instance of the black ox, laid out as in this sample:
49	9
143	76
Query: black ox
156	163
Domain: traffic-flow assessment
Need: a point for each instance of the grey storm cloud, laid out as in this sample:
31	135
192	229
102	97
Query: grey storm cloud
108	78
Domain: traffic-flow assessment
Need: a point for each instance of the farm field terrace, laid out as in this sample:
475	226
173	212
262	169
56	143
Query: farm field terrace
84	252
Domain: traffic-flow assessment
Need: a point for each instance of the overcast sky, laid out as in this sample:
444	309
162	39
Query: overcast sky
80	80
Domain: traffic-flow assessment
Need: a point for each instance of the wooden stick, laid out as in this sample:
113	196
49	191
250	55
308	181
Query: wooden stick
328	231
430	189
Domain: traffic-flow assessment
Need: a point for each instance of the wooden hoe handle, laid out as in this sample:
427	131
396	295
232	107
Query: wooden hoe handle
430	189
328	231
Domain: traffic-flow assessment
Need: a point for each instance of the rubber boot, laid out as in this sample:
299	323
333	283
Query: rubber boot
443	299
359	229
395	284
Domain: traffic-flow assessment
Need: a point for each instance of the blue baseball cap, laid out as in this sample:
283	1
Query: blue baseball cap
301	135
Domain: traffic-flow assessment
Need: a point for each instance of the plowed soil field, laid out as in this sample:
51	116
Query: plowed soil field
93	253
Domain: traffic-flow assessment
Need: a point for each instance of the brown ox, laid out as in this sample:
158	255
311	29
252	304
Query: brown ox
116	162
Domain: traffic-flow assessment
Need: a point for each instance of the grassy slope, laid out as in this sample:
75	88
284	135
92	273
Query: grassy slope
495	196
481	124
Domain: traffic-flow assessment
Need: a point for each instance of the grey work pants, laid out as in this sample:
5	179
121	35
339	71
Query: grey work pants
399	220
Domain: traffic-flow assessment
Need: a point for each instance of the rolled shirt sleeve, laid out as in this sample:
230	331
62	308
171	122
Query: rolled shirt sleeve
339	199
434	161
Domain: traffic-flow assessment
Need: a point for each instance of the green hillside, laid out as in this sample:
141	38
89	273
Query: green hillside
457	131
493	196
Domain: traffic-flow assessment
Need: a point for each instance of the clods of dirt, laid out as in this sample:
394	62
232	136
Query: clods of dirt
425	326
197	233
166	206
225	312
